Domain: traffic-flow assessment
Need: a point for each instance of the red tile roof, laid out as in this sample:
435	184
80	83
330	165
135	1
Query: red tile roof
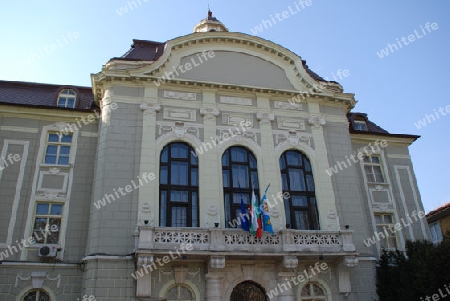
439	210
37	94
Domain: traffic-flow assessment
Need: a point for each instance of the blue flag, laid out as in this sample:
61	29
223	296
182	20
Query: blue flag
267	224
243	216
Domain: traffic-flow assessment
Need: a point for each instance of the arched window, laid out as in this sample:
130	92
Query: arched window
313	292
238	168
67	98
180	292
297	180
36	295
178	186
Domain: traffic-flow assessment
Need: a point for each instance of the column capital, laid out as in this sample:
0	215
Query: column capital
209	113
265	117
317	121
150	108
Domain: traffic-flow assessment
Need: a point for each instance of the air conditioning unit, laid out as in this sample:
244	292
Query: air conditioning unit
48	251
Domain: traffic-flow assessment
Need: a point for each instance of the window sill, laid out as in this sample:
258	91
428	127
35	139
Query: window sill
70	165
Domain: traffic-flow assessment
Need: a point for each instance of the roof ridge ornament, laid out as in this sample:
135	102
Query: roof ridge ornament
210	24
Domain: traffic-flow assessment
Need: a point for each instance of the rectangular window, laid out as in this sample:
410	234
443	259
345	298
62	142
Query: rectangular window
373	169
57	149
47	222
360	125
386	221
436	232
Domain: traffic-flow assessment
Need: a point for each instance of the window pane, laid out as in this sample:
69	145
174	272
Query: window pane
252	161
61	102
64	150
163	208
296	180
178	196
282	163
194	177
56	209
51	150
366	159
307	165
238	154
179	150
194	210
240	174
66	138
287	208
388	219
42	209
225	161
293	158
164	175
179	216
227	209
378	219
300	201
70	102
284	182
301	220
165	155
375	159
310	182
63	160
226	178
179	173
254	179
194	159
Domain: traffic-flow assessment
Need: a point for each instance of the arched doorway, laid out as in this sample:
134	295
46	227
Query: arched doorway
248	291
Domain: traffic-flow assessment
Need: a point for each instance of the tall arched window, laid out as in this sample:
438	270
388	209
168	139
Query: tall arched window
238	168
36	295
313	292
180	292
297	180
178	186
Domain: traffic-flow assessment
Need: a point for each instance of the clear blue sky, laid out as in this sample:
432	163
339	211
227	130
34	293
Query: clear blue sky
396	91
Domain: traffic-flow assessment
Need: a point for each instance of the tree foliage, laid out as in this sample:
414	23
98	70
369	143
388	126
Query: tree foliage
421	272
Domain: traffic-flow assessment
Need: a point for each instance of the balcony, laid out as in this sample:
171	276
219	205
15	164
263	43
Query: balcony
235	241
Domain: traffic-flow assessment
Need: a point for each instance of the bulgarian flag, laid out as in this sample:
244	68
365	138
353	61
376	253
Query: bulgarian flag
255	225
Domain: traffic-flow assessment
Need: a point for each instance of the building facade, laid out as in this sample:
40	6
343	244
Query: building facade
439	223
131	189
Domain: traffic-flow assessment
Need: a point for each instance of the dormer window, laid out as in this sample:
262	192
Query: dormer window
360	125
67	99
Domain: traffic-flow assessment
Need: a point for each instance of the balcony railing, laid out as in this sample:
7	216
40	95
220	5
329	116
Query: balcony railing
235	240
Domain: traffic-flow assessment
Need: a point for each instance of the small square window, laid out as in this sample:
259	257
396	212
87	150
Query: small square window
360	125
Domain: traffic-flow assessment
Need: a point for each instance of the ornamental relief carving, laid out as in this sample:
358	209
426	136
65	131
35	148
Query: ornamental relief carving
150	108
178	128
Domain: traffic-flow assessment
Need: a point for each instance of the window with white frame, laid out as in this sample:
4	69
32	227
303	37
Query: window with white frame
386	221
313	292
436	232
67	98
359	125
37	295
180	292
57	149
47	222
373	169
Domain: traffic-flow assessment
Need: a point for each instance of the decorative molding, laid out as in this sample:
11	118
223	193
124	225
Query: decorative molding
292	137
146	215
317	121
145	260
287	105
89	134
209	113
290	262
236	119
180	114
236	100
264	117
238	136
19	129
291	124
217	262
212	216
332	220
65	178
37	279
179	95
150	108
178	128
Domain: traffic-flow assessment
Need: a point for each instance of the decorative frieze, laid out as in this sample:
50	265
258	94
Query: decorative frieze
180	114
179	95
287	105
236	100
290	124
178	128
236	119
293	137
